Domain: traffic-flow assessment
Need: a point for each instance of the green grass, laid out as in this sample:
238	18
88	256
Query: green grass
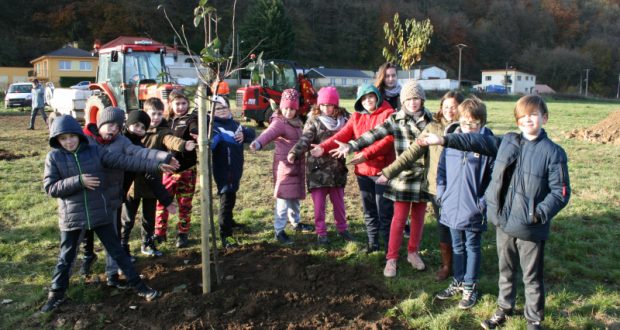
581	263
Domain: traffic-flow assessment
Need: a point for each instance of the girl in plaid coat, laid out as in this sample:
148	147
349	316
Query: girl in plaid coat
406	189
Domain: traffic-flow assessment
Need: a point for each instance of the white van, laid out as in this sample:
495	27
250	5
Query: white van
18	95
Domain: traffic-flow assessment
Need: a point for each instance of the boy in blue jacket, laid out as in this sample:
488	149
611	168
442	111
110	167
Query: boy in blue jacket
529	186
462	178
75	174
227	146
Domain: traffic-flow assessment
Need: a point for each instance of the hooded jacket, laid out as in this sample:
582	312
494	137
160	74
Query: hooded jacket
78	207
183	127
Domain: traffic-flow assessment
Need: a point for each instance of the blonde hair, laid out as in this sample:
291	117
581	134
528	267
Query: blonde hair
530	104
474	108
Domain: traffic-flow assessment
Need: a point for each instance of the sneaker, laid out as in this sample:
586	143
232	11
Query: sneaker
302	227
115	282
159	239
372	247
283	238
87	264
415	261
182	241
346	236
532	325
128	252
322	240
54	300
496	320
470	296
147	292
453	289
150	250
390	268
228	242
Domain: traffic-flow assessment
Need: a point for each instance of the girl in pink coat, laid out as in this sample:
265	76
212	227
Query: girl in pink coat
285	129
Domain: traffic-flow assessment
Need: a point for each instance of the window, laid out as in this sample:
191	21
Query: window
344	81
37	69
86	66
354	81
487	78
518	78
45	69
527	78
64	65
332	81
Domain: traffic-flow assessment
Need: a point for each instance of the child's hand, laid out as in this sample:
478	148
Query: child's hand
342	150
172	208
174	163
254	146
429	139
290	158
358	159
317	150
194	136
89	181
382	179
239	136
190	145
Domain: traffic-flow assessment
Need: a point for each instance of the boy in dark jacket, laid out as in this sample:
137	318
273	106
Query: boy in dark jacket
227	146
462	178
529	186
75	174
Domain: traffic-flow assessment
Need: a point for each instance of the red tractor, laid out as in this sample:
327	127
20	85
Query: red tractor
274	77
128	74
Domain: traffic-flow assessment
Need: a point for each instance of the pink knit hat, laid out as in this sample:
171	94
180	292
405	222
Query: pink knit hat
290	99
328	95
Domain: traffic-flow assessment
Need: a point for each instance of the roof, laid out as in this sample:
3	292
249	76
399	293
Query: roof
348	73
506	70
66	51
543	89
124	40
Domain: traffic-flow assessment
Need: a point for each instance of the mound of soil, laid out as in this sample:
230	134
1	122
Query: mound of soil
7	155
606	131
263	286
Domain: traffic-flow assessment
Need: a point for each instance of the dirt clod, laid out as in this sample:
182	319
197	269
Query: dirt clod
606	131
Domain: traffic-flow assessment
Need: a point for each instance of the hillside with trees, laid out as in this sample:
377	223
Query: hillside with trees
554	39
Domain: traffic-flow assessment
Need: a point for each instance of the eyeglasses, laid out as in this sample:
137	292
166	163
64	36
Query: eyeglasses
220	109
470	124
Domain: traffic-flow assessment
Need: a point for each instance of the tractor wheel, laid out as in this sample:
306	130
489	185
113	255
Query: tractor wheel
94	104
266	116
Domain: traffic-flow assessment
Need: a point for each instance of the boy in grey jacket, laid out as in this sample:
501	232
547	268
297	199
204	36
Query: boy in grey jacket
75	175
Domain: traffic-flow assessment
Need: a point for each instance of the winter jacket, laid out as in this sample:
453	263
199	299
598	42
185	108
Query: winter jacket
407	186
288	178
182	127
431	157
324	171
227	153
380	153
529	183
158	138
38	96
78	207
462	178
121	144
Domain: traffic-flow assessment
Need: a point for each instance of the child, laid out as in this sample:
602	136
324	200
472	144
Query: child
158	136
529	186
285	129
462	178
227	145
370	110
447	114
182	183
325	175
106	134
74	170
406	189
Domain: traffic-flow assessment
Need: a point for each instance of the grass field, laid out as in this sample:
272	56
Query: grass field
582	267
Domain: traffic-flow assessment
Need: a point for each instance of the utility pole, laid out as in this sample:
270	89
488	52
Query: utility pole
618	92
580	81
587	77
460	47
238	55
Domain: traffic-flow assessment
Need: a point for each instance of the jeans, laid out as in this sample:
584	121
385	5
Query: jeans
69	244
33	115
513	252
286	210
336	196
225	215
466	255
378	210
88	241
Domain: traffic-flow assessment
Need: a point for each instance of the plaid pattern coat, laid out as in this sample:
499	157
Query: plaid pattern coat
407	186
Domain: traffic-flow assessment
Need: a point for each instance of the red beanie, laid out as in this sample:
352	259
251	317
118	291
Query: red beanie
290	99
328	95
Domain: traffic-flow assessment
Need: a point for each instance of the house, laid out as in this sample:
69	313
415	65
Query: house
543	89
65	66
513	80
430	77
9	75
321	77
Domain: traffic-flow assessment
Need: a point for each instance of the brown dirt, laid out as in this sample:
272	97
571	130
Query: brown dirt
263	287
606	131
7	155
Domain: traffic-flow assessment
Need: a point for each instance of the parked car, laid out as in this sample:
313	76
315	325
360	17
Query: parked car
18	95
81	85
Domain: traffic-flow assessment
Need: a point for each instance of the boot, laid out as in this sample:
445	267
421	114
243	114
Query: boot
446	262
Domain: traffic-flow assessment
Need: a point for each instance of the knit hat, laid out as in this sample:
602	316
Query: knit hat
328	95
363	90
111	115
290	99
410	90
139	116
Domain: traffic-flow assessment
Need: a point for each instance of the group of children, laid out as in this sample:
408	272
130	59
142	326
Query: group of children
404	159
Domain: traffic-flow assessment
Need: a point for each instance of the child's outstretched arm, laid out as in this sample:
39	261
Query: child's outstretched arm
404	160
308	137
482	144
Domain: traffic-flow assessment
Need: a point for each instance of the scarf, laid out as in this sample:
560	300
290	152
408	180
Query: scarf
332	124
394	91
92	131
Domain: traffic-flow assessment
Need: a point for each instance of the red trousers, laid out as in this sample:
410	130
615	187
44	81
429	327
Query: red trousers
180	186
397	229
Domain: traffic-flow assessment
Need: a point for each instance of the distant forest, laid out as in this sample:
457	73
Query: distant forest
557	40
